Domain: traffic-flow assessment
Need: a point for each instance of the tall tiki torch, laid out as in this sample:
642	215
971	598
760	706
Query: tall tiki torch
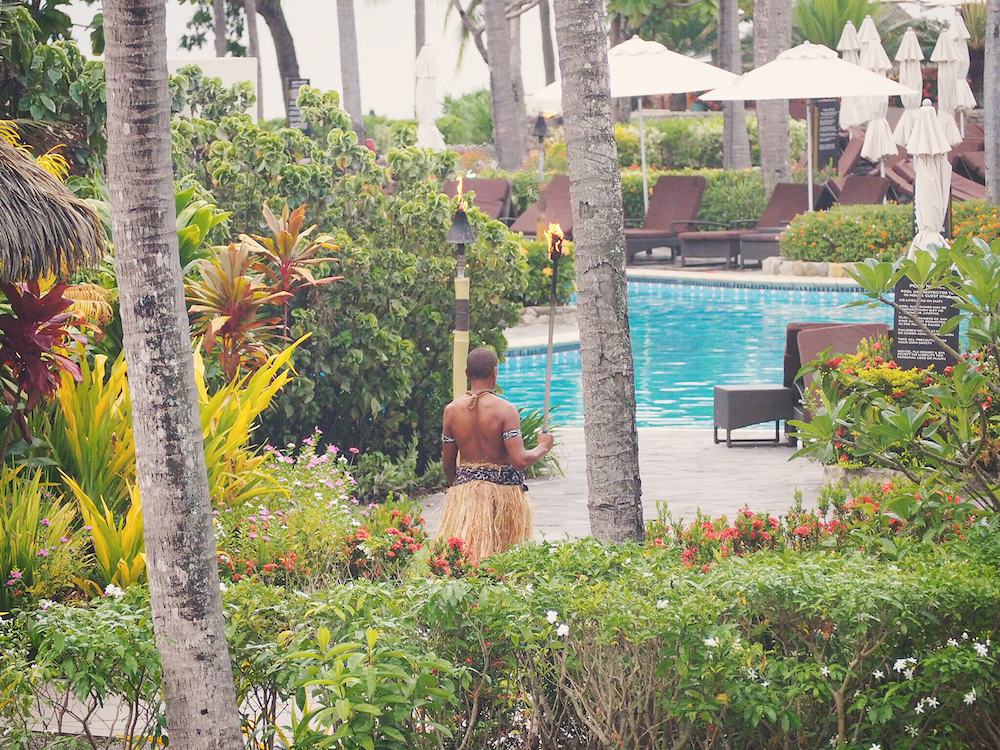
554	237
460	234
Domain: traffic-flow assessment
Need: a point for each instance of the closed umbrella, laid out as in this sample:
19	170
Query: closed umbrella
909	57
878	143
965	100
852	108
642	68
928	145
809	71
425	101
946	57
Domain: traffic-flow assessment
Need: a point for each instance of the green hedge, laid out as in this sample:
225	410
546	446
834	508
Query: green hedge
729	195
845	234
538	290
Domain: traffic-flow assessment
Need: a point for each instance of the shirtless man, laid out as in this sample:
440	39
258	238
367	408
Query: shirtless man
486	505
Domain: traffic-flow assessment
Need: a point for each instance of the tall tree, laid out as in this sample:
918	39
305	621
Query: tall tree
170	454
735	142
250	6
991	88
514	27
614	492
350	72
420	24
772	33
219	19
548	48
508	108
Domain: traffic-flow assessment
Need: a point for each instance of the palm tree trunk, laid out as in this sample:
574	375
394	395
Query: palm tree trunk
250	6
419	24
508	110
350	73
735	143
219	18
284	45
991	87
514	27
170	455
614	492
772	33
548	49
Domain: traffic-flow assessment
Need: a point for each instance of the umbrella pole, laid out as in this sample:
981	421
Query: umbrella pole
961	122
642	152
809	151
552	333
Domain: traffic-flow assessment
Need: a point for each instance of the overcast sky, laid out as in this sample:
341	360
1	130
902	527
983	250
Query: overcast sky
385	50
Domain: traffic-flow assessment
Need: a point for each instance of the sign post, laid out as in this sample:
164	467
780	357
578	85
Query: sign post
294	116
827	132
911	346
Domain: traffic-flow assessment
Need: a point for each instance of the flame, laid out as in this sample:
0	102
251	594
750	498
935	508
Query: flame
462	203
554	239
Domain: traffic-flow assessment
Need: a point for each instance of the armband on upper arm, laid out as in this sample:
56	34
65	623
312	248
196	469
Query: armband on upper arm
446	439
511	434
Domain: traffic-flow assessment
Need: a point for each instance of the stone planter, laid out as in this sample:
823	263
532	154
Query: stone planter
565	315
778	266
838	475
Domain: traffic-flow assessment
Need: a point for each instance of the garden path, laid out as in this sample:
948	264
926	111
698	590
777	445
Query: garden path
680	467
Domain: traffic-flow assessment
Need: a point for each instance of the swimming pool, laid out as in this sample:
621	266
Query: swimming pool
687	338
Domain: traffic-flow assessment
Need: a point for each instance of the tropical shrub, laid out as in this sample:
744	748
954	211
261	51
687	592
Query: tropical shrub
448	559
947	428
822	21
119	544
386	540
467	118
975	219
846	234
539	287
729	195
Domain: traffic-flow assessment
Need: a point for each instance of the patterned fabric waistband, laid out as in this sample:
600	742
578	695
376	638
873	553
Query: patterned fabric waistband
505	475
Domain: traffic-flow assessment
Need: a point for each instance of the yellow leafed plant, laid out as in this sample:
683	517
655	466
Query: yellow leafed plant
118	542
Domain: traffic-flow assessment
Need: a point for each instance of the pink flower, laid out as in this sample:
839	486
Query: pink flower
45	522
354	450
64	540
332	449
43	553
252	535
15	575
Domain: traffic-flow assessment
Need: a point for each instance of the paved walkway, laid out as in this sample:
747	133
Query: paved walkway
682	468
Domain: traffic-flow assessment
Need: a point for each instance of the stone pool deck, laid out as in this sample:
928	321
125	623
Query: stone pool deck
682	468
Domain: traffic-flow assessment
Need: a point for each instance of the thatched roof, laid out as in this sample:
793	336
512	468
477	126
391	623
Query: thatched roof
43	227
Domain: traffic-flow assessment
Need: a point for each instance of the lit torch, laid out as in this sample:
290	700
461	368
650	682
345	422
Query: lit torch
554	238
460	234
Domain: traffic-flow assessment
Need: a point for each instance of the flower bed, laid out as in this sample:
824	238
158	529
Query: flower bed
845	234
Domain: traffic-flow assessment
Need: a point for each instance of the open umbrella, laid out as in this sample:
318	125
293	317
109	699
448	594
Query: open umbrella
909	57
878	143
425	101
809	71
852	108
965	100
946	57
642	68
928	145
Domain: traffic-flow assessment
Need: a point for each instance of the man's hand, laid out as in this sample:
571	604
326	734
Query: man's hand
545	441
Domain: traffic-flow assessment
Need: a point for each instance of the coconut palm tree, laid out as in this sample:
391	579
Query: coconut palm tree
219	21
250	6
991	88
772	33
614	493
170	454
350	72
735	141
508	106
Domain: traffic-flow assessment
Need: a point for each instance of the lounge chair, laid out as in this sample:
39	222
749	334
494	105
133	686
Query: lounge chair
672	208
972	164
858	190
491	196
558	209
904	177
787	201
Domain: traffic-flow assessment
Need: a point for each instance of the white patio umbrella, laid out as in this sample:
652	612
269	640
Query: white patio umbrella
965	100
425	101
946	57
929	146
878	144
852	108
909	57
809	71
643	68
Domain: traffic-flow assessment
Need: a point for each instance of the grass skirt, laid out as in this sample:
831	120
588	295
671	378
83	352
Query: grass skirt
488	517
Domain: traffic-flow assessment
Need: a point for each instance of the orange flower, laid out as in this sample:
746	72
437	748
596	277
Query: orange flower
547	271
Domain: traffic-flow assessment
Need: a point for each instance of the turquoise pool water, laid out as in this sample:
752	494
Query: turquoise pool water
687	338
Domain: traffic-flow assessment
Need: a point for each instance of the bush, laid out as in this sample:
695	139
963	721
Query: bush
539	288
728	196
846	234
975	219
468	118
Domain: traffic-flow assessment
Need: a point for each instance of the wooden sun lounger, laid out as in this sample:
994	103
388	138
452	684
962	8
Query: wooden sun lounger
558	209
672	208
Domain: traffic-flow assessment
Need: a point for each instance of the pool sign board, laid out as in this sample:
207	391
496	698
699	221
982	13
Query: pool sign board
827	135
294	116
911	346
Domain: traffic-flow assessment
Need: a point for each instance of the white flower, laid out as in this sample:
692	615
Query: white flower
981	648
529	588
825	671
112	590
711	642
222	587
911	730
765	683
908	674
933	702
970	698
875	747
919	708
552	616
952	642
662	604
752	674
965	636
878	674
563	630
900	665
45	604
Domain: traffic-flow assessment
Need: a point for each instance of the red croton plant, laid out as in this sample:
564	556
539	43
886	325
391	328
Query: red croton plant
32	334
